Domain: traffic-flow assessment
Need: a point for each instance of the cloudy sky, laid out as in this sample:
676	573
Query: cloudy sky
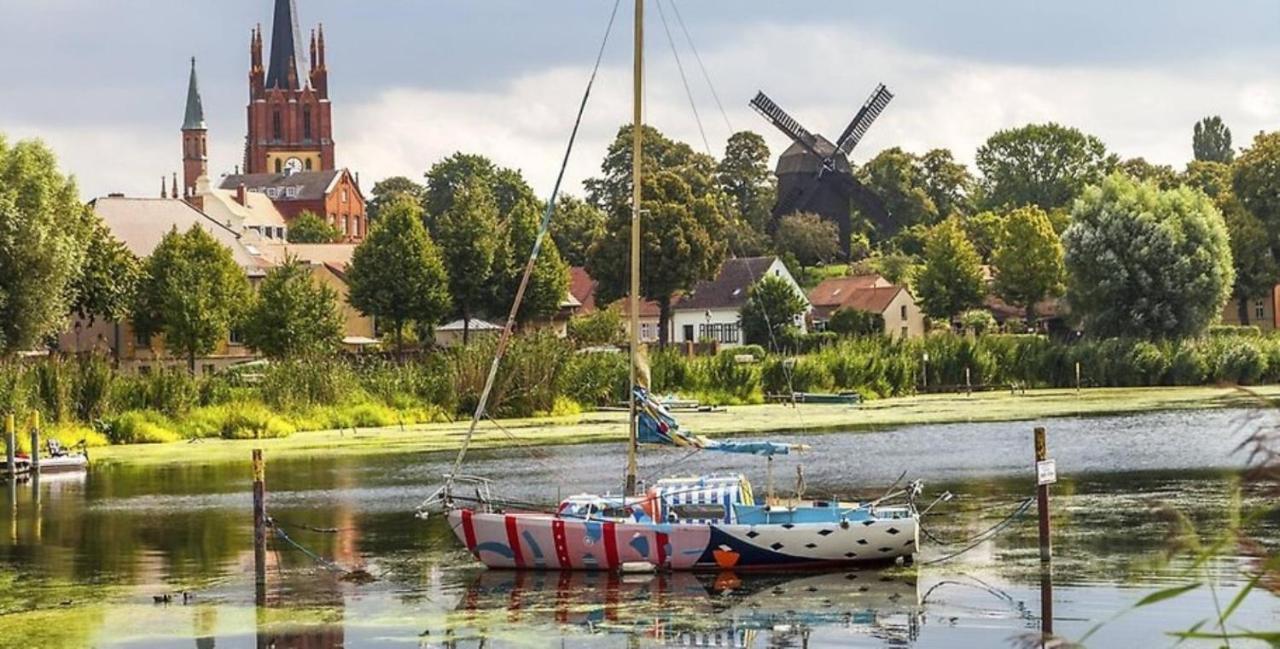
103	81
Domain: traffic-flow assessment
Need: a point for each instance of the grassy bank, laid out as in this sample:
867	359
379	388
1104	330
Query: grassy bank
737	420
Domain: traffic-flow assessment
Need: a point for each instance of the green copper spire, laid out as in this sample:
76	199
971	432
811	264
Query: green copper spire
195	107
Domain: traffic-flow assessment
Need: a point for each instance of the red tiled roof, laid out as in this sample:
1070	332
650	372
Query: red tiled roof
582	288
834	291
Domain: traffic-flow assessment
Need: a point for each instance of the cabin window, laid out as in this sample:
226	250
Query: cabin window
698	512
276	126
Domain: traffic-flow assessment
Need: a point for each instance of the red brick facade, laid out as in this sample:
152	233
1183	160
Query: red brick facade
289	119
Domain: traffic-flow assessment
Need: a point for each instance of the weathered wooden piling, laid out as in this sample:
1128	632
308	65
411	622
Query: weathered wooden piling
35	443
259	528
10	447
1046	474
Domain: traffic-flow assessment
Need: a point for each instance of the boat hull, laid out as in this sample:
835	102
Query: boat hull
537	541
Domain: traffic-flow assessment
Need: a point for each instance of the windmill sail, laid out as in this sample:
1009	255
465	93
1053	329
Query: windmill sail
863	120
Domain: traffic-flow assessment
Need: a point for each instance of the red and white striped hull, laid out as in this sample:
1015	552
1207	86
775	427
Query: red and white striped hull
536	541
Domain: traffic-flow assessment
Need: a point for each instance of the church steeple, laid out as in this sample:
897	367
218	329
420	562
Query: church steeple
282	71
194	119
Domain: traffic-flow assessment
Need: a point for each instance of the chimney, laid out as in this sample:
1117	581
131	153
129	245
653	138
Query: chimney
240	197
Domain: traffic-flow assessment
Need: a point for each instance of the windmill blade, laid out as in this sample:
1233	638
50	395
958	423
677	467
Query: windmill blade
785	123
867	201
863	120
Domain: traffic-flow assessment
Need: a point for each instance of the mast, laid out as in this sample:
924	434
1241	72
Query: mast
637	138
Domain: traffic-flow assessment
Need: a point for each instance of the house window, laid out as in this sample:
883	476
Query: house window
688	333
276	127
141	339
719	332
209	370
904	332
291	192
904	311
1259	309
280	232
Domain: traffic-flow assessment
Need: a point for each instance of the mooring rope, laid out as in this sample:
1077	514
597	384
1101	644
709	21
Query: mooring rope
976	540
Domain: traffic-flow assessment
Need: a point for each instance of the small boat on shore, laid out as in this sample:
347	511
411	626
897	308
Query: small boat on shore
57	460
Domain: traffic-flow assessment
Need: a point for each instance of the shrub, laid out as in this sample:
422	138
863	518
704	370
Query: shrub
597	379
141	427
171	391
668	371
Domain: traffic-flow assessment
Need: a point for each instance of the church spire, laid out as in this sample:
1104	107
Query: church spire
282	71
194	119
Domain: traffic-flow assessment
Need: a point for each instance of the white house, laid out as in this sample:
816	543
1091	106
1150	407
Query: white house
712	311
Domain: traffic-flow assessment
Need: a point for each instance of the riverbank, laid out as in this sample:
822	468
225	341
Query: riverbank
739	420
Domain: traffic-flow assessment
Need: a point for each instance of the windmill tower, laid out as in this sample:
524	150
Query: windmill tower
814	174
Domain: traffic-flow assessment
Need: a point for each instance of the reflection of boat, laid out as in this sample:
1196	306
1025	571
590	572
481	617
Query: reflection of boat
699	523
700	610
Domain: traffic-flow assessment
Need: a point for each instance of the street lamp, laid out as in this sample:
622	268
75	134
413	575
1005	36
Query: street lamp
926	370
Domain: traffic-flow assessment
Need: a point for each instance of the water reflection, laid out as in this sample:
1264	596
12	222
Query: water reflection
81	559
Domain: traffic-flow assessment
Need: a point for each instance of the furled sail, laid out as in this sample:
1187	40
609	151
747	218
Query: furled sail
655	425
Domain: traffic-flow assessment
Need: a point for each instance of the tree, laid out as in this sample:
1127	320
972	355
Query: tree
897	268
810	238
746	178
42	245
519	214
1255	177
388	189
1162	176
397	274
467	233
683	228
293	315
951	280
1212	178
983	231
105	285
600	327
1254	260
770	311
947	182
852	322
1145	262
310	228
899	179
192	293
1046	165
1211	141
1028	260
576	226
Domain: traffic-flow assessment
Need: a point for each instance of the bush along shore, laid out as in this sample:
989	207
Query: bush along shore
85	399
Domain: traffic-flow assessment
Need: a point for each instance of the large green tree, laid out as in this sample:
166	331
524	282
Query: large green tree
293	314
192	293
948	183
1162	176
1252	254
899	179
388	189
1046	165
468	237
808	238
396	273
1212	178
1211	140
683	225
951	280
107	279
771	310
1255	177
42	245
1147	263
746	178
519	213
311	228
576	226
1028	260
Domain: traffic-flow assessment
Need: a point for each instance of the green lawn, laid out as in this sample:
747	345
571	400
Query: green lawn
741	420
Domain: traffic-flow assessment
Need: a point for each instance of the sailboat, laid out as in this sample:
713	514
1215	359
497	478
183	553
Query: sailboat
701	522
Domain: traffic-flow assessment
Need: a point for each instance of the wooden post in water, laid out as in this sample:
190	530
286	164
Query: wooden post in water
1046	474
1077	377
259	528
10	447
968	381
35	443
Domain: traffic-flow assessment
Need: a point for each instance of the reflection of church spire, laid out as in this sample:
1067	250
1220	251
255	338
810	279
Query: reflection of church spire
282	71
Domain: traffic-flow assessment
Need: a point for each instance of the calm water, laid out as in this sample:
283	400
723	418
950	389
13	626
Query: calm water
81	559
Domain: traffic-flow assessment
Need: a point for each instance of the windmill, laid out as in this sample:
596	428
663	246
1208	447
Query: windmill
814	174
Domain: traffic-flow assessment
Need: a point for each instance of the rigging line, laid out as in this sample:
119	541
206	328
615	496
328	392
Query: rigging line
683	79
989	534
543	226
714	95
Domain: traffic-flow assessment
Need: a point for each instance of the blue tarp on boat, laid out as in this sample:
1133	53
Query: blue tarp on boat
655	425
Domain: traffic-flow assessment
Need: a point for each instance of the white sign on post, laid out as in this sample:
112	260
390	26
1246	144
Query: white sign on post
1046	472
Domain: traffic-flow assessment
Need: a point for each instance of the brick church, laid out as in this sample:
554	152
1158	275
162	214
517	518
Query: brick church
289	152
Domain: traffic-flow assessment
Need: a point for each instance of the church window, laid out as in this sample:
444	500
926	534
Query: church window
279	166
308	163
204	148
276	127
306	123
344	194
